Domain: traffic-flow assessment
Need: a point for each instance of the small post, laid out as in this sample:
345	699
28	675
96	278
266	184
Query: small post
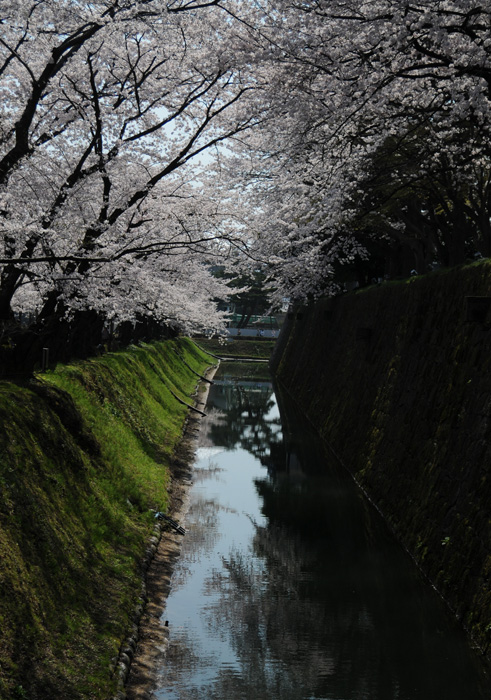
45	360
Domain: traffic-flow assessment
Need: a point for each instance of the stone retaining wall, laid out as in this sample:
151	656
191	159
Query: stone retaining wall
397	379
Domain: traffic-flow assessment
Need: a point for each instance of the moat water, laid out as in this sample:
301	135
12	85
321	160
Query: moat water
289	585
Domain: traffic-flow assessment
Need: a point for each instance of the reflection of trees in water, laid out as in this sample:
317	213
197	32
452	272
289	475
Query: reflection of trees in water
319	605
342	596
183	659
271	604
214	417
323	602
204	473
201	524
245	421
276	632
202	536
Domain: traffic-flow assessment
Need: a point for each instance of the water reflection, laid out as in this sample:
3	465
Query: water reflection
243	415
289	586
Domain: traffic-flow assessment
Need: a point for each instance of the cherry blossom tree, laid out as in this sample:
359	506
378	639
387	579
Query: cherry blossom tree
106	108
347	79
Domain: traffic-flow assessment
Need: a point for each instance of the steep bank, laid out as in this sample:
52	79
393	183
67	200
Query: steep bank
397	380
86	458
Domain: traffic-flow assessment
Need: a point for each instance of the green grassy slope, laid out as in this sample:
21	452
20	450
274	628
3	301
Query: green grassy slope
84	455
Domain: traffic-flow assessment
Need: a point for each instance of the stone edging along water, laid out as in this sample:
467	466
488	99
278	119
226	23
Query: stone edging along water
134	645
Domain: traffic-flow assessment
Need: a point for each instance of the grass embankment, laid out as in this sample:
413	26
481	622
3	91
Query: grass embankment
85	453
246	348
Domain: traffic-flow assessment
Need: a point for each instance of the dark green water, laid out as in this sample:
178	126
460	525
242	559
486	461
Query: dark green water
289	586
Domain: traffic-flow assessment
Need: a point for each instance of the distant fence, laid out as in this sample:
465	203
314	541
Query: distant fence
270	322
252	332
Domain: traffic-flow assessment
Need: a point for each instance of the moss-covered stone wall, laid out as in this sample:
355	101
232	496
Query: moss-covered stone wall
397	379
